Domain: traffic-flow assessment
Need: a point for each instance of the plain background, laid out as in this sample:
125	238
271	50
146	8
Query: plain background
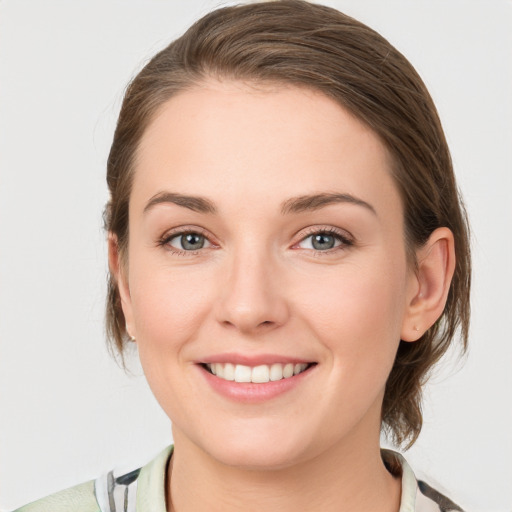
67	412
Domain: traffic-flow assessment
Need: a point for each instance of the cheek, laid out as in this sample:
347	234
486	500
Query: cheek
168	309
359	323
168	306
358	313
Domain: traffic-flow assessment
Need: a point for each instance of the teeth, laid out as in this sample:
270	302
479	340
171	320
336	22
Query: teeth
229	371
288	371
219	370
299	368
257	374
276	372
242	373
260	373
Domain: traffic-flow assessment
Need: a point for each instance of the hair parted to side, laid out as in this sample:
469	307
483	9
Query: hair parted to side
293	42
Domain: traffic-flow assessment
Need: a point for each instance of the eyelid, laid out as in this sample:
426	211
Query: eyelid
343	236
170	234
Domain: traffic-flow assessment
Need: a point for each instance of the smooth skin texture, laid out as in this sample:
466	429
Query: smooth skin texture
257	281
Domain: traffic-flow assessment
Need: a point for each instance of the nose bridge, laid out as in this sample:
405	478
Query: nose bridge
252	299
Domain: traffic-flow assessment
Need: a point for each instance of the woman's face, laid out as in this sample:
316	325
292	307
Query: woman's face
266	238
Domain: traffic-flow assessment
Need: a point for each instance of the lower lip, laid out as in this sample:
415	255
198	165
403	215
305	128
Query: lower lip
249	392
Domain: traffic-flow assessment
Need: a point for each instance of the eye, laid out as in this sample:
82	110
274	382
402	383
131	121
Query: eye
324	241
190	241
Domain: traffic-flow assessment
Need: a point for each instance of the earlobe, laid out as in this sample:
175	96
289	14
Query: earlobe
118	273
432	279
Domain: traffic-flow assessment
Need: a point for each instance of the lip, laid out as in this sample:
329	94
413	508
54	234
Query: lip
249	392
252	360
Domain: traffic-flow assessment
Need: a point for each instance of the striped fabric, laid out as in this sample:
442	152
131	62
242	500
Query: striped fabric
143	490
117	493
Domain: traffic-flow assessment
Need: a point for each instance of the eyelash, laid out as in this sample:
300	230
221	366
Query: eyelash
343	237
165	240
345	240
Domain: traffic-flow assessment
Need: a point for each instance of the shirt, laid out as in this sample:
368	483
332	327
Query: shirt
143	490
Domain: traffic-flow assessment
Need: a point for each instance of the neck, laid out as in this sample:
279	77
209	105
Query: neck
346	478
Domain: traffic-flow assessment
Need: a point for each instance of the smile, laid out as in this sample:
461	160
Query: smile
256	374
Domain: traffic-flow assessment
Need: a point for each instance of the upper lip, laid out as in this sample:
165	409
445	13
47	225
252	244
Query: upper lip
252	360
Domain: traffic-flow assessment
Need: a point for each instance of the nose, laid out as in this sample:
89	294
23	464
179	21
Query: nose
252	297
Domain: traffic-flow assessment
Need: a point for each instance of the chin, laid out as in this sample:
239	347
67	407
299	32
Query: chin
254	457
258	448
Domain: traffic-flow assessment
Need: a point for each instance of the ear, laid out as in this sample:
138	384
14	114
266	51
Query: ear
118	272
430	284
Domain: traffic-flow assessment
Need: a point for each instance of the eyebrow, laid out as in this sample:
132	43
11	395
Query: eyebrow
297	204
195	203
316	201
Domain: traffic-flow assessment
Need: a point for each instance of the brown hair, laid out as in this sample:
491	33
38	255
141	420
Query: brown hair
307	45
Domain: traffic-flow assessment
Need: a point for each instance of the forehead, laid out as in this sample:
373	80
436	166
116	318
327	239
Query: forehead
232	140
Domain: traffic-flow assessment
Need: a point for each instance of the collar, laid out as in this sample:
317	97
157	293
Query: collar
151	481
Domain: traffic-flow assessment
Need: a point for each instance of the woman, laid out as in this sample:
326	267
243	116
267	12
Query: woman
288	250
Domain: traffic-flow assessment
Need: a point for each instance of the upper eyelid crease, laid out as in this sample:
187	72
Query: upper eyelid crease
330	230
184	230
345	238
166	239
310	231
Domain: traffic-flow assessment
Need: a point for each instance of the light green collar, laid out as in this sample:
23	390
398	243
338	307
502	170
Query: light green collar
151	483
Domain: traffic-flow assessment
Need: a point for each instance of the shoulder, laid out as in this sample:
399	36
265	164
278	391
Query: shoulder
428	496
80	498
141	489
417	495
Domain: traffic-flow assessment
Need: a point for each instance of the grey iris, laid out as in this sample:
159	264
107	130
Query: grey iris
323	242
192	241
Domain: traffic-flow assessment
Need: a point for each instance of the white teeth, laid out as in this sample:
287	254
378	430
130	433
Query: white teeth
299	368
288	370
229	371
219	370
276	372
260	374
242	373
257	374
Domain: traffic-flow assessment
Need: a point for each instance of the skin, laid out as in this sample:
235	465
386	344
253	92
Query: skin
258	286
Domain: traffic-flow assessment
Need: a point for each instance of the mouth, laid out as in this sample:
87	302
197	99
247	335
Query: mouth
260	374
